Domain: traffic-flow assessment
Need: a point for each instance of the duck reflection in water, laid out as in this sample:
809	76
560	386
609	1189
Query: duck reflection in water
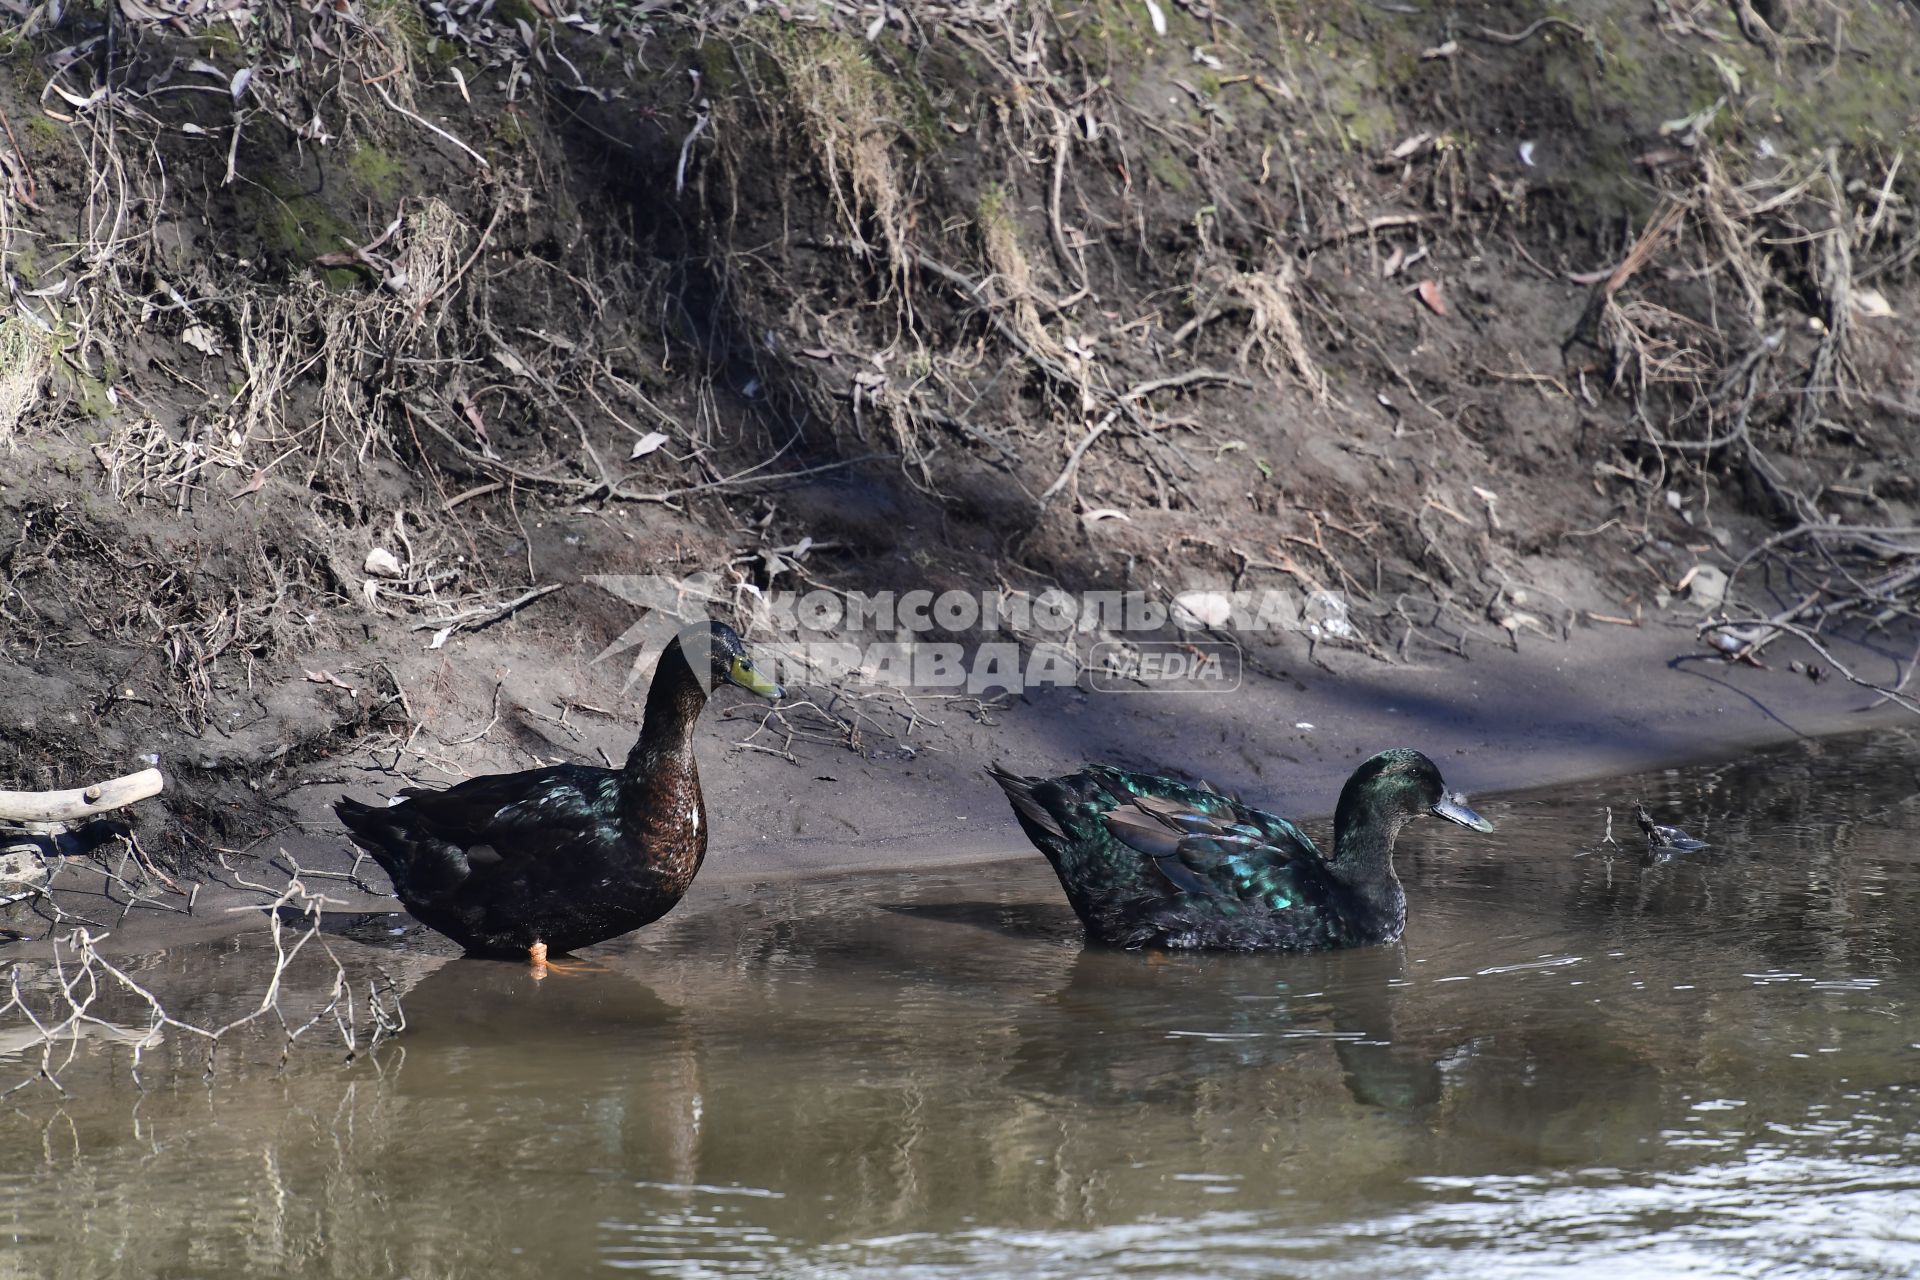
604	1050
1156	1025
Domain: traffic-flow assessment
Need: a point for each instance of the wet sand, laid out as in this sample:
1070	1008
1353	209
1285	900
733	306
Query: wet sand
1611	701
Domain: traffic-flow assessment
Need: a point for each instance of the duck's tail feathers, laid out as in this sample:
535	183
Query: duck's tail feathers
412	861
1039	823
369	826
357	816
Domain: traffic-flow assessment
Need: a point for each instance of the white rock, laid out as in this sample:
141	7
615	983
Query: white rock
1708	589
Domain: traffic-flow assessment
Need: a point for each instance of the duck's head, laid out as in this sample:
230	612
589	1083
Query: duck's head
716	649
1401	785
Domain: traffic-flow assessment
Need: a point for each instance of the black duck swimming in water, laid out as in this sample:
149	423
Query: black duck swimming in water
549	860
1147	861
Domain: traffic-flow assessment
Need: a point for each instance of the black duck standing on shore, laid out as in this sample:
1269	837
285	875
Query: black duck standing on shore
549	860
1147	861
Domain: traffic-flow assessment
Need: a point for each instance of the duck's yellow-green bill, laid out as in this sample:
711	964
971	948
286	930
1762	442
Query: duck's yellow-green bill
743	673
1454	809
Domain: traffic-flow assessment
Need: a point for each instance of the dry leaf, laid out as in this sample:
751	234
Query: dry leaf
474	420
327	677
201	339
382	563
255	485
1661	157
646	444
1410	145
1429	291
75	100
513	364
1873	304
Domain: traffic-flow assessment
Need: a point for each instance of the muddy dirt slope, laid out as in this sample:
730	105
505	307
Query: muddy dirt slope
379	383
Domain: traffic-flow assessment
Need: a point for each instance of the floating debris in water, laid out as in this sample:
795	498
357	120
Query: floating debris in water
1671	839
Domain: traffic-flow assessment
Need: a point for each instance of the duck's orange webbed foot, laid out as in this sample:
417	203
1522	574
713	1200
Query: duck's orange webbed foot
537	955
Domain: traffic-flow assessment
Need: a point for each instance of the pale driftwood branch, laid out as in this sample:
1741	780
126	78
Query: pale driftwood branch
80	803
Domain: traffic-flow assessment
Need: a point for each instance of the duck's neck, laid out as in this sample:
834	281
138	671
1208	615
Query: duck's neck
1363	835
674	700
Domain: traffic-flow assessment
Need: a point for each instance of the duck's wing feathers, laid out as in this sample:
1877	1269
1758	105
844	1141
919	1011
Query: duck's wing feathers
1064	815
1146	859
538	806
1232	853
436	844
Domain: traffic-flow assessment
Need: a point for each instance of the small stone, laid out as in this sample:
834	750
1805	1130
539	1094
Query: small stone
1708	589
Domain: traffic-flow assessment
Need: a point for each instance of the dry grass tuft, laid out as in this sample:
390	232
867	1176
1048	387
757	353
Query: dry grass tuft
1000	239
1274	328
1726	223
850	113
392	30
1650	344
429	259
333	344
24	362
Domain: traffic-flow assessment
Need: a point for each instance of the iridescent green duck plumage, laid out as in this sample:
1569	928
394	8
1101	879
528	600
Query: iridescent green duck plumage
521	864
1147	861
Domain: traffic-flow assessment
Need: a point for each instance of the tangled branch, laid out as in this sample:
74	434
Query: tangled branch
52	1017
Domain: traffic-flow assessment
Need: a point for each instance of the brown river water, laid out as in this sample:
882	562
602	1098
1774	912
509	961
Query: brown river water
1577	1062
